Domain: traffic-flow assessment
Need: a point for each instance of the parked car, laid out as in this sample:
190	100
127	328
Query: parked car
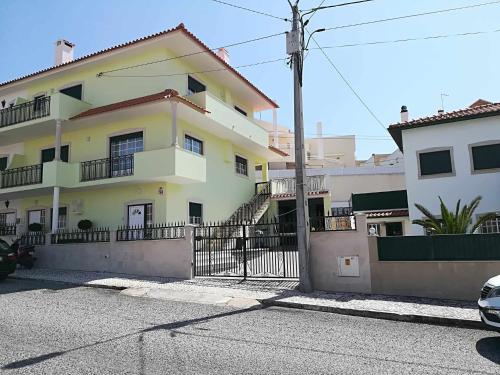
489	303
8	260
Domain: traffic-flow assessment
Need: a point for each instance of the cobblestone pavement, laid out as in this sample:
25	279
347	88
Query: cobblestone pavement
278	290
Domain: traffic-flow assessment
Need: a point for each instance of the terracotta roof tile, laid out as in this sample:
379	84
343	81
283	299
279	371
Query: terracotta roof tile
180	28
168	94
388	213
291	195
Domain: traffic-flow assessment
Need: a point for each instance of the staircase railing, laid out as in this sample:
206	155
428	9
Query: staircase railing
246	212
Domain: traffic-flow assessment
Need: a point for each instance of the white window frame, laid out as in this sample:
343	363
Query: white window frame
238	173
471	159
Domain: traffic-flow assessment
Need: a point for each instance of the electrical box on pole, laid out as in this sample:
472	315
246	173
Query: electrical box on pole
293	42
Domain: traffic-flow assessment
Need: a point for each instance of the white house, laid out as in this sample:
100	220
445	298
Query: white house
453	155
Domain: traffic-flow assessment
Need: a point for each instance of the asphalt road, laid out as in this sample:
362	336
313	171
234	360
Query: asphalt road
49	328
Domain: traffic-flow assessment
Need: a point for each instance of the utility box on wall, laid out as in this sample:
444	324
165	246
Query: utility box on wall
348	266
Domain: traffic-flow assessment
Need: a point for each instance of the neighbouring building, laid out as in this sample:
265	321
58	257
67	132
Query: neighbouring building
386	212
455	156
118	140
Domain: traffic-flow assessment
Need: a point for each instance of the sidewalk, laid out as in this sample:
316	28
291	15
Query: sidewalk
255	293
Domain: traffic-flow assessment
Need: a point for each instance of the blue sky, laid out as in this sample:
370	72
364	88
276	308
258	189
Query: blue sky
386	76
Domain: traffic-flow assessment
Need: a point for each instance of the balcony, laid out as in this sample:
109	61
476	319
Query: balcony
16	122
225	115
99	169
286	187
22	176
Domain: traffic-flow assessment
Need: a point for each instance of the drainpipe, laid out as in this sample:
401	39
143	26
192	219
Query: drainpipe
55	198
175	141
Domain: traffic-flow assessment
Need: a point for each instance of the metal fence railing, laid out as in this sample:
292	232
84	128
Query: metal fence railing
16	114
22	176
451	247
32	238
7	229
166	231
119	166
80	236
333	223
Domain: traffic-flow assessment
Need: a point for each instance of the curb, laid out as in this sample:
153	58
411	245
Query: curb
408	318
96	286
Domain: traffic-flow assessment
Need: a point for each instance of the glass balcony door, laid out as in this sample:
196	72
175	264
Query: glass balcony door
122	149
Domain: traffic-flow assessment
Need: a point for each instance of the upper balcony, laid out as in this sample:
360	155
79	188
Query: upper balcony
285	188
171	165
234	121
37	118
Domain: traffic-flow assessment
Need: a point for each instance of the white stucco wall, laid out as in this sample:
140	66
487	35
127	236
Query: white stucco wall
463	185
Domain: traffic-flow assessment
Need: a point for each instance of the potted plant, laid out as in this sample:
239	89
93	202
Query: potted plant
35	227
84	224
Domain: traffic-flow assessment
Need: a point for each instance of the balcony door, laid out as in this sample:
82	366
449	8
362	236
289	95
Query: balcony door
121	149
50	153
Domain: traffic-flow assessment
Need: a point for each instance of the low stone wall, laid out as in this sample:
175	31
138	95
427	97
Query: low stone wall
461	280
164	258
327	247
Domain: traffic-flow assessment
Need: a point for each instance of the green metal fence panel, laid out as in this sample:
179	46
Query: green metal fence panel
462	247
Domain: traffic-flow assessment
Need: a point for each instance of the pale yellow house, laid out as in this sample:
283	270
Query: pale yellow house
131	135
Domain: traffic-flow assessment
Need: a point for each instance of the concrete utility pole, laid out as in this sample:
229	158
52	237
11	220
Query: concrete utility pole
295	48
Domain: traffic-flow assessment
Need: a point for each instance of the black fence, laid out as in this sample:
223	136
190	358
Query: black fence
151	232
460	247
22	176
32	238
332	223
240	250
37	108
80	236
7	230
120	166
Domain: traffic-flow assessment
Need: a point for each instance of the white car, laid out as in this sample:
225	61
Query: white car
489	303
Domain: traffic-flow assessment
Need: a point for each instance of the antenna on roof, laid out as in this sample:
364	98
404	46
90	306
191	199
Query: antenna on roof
442	100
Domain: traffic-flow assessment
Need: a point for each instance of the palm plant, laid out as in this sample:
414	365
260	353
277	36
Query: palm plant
452	222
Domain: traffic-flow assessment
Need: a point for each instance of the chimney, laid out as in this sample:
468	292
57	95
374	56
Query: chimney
404	114
223	54
64	52
319	132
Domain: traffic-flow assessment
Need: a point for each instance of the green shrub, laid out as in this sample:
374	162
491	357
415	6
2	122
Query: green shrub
84	224
35	227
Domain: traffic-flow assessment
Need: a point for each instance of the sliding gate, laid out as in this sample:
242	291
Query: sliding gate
267	250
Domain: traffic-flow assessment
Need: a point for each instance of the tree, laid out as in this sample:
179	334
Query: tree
452	222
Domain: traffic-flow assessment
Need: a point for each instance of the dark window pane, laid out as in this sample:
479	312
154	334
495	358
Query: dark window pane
73	91
49	154
435	162
240	111
241	165
3	163
486	157
195	213
195	86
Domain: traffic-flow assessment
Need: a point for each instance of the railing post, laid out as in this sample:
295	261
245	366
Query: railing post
245	271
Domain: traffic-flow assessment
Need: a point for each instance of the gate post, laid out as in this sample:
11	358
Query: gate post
244	252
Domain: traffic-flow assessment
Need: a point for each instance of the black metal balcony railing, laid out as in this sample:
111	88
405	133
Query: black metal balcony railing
22	176
7	229
80	236
107	168
37	108
166	231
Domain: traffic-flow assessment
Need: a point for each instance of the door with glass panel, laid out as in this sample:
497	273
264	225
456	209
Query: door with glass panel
122	150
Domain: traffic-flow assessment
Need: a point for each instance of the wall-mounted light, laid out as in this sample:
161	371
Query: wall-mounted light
7	203
160	190
3	103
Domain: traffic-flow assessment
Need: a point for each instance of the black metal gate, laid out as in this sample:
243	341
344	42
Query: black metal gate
267	250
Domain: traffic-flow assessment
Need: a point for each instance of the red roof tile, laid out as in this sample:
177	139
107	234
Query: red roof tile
180	28
473	112
168	94
291	195
388	213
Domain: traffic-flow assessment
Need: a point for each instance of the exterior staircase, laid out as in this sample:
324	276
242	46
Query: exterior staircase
252	211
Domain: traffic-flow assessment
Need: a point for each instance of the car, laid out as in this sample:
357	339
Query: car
489	303
8	260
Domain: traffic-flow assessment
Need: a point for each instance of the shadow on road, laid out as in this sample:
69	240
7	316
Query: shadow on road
489	348
11	285
167	326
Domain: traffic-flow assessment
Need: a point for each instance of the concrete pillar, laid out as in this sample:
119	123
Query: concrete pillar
275	128
55	209
57	146
175	140
265	171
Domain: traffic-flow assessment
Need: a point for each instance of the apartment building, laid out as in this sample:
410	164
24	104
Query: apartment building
115	139
453	155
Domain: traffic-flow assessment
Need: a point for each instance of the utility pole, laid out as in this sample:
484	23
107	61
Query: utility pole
295	48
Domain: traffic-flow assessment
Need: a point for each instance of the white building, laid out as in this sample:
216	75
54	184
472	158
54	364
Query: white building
454	155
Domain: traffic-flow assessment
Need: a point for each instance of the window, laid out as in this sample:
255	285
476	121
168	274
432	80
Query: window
61	218
394	229
36	216
195	213
3	163
435	163
73	91
485	157
241	111
241	165
491	226
49	154
39	102
192	144
121	147
195	86
374	229
341	211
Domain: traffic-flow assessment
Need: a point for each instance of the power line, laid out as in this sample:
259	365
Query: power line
251	10
335	6
189	54
349	84
413	15
197	72
431	37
